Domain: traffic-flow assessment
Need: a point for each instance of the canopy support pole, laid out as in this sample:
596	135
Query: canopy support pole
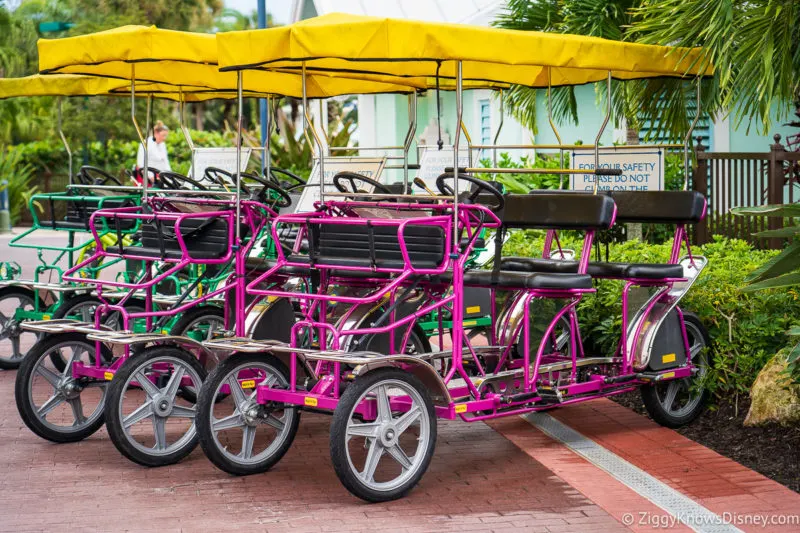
687	141
306	123
182	120
456	143
266	158
65	143
499	128
239	106
553	125
600	133
412	130
142	139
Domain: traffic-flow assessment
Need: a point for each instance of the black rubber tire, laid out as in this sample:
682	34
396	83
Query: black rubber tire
114	397
205	405
650	397
14	363
338	439
25	374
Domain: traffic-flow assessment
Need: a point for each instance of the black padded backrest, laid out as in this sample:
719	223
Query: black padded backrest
80	209
558	210
200	235
667	207
425	244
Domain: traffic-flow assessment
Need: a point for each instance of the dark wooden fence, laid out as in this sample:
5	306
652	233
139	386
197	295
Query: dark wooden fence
745	179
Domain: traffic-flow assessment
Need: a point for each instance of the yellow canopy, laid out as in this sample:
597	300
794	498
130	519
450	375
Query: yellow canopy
181	59
77	85
62	85
412	52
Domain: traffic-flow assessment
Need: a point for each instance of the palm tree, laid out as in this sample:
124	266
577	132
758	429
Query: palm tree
754	45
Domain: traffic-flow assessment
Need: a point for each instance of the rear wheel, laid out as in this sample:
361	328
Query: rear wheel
54	404
147	420
238	434
14	341
676	403
383	459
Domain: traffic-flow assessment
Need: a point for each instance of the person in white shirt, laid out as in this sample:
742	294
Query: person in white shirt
157	157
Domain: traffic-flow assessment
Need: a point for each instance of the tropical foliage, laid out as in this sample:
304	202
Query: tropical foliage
783	270
754	46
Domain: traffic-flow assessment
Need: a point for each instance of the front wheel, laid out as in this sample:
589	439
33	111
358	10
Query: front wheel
383	459
238	434
51	401
147	420
676	403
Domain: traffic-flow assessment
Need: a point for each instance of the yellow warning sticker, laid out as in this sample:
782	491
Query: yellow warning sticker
468	323
668	358
668	375
461	408
311	402
248	384
46	317
473	309
108	376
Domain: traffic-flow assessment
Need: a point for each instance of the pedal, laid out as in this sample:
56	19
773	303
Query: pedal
550	395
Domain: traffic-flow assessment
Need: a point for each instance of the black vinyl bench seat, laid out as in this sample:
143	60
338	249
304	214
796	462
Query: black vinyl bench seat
595	269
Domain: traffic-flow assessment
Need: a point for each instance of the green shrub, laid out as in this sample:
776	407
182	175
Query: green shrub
15	177
742	345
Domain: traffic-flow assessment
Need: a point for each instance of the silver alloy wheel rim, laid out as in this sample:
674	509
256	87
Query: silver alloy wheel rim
247	417
668	392
9	328
384	433
159	405
66	388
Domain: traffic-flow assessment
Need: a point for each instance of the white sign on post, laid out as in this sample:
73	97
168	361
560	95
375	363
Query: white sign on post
433	161
642	169
222	158
369	167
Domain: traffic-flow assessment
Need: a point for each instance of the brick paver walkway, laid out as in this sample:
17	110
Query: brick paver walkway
478	481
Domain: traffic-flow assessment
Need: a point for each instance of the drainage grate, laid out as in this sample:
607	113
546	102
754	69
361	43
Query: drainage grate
676	505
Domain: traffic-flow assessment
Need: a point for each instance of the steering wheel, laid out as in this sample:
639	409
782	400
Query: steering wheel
340	180
480	186
282	180
176	181
218	176
95	176
283	200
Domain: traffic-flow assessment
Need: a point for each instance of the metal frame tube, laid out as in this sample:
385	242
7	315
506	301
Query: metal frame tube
142	138
266	158
64	142
456	143
306	123
552	124
688	139
239	111
600	133
499	128
184	130
412	130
